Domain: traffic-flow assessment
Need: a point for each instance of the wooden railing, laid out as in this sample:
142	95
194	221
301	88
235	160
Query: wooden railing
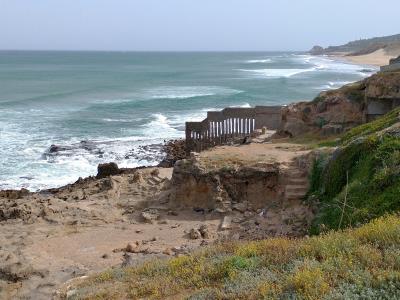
222	126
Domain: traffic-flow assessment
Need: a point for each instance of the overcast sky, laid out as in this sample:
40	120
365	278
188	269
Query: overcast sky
192	24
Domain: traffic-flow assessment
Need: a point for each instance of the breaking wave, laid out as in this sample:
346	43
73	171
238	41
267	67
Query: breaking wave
277	73
259	61
186	92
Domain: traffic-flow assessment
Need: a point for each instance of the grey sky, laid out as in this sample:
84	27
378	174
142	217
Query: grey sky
192	25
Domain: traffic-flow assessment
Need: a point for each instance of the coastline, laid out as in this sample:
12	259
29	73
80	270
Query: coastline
378	58
123	217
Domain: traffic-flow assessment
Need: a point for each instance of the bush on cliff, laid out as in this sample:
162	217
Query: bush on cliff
360	263
362	179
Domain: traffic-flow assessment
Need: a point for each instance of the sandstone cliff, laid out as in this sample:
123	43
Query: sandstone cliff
266	181
335	111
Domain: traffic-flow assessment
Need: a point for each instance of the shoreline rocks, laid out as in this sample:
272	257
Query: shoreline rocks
174	150
107	169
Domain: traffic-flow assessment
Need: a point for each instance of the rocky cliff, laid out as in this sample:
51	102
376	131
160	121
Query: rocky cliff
244	182
336	111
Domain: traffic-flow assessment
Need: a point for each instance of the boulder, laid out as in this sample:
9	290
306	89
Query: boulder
174	150
107	169
150	215
58	148
205	233
241	206
194	234
131	247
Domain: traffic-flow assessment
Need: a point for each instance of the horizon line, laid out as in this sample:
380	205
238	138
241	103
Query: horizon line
141	51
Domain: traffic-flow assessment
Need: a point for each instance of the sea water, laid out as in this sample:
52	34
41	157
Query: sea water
120	106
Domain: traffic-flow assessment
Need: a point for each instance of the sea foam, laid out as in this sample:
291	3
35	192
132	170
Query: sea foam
258	61
277	73
186	92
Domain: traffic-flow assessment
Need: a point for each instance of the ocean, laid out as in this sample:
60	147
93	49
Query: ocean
120	106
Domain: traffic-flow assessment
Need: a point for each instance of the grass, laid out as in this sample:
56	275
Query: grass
372	162
372	127
362	263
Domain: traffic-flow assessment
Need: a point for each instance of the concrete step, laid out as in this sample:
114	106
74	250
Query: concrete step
296	192
299	180
295	174
296	188
295	195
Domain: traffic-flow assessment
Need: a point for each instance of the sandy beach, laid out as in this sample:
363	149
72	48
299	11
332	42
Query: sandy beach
377	58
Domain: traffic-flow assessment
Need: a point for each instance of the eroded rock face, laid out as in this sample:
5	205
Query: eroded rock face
340	109
383	86
221	190
335	111
252	186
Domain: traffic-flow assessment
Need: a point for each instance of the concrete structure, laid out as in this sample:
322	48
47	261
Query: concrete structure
378	108
223	126
383	105
394	65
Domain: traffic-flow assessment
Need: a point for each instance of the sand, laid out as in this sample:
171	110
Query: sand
85	227
50	237
377	58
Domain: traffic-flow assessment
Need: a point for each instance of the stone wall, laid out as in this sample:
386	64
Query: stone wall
222	126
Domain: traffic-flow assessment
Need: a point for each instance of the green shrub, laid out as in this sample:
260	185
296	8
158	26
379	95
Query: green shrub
361	181
360	263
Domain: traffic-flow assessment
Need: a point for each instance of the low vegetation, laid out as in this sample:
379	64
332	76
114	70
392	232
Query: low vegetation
362	263
362	179
357	187
372	127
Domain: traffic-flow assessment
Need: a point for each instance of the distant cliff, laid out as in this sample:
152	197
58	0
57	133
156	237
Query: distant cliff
362	46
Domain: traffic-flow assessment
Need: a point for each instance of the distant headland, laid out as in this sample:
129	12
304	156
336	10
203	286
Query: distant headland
373	51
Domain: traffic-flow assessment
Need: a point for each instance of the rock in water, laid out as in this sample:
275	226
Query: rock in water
107	169
316	50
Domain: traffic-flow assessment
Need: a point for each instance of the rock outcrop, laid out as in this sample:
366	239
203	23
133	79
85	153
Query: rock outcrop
195	186
383	86
330	113
335	111
174	150
265	191
317	50
227	184
107	169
